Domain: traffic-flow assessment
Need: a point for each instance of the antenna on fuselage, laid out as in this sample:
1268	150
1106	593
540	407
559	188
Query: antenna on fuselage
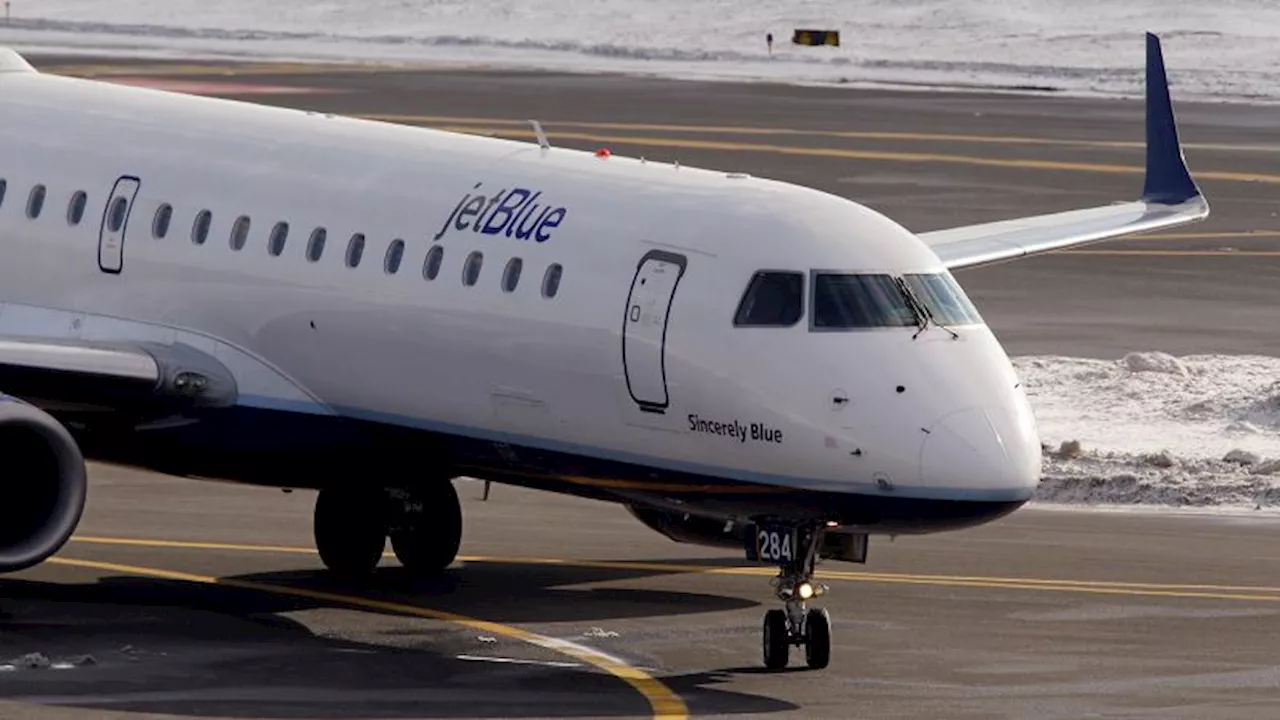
542	137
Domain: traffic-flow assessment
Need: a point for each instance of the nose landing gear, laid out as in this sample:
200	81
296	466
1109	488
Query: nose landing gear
796	549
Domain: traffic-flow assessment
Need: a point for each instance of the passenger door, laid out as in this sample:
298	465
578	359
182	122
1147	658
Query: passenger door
644	328
115	223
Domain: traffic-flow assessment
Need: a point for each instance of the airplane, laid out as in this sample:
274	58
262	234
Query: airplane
223	290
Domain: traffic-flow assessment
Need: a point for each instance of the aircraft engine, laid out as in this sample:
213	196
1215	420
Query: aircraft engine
693	529
44	484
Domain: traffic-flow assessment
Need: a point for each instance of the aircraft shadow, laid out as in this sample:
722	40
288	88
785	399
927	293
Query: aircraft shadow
178	648
520	593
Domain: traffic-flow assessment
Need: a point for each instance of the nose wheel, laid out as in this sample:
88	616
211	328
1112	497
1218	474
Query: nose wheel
797	624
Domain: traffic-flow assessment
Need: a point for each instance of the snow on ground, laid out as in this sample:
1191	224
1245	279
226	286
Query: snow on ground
1199	431
1224	50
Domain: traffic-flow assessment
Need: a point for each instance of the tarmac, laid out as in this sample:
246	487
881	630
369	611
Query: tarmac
200	599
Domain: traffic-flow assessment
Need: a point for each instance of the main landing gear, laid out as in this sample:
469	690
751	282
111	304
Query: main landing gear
352	526
797	624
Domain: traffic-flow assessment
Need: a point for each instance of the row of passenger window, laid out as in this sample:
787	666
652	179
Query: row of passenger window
391	260
35	202
279	235
848	300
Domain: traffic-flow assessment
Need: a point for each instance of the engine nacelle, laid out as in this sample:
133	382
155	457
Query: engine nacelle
43	484
692	529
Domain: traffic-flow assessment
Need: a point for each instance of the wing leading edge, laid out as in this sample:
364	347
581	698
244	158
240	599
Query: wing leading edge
137	379
1169	198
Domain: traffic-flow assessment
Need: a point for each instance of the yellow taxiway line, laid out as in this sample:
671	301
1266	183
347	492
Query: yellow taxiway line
1220	592
284	69
795	132
1231	235
1174	253
663	701
850	153
511	128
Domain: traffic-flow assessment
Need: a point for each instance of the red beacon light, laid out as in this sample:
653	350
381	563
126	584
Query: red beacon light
603	153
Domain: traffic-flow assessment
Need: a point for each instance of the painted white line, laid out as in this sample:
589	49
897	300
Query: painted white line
518	661
569	647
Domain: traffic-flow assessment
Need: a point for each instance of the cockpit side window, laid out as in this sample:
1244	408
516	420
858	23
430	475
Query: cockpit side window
945	300
773	299
844	301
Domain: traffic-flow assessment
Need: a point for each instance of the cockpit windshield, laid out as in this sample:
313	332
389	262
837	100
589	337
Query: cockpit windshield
843	301
773	299
943	298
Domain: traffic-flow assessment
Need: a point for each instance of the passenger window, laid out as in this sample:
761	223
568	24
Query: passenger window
431	266
119	211
200	228
240	232
160	225
395	253
772	299
279	234
551	281
355	250
471	270
511	275
35	202
315	246
75	209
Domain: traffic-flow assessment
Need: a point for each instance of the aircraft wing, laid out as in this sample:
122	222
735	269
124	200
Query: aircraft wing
1170	198
141	378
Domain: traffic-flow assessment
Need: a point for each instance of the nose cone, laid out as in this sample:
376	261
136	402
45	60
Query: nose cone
980	455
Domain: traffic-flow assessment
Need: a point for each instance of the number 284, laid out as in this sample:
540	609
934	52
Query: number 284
775	545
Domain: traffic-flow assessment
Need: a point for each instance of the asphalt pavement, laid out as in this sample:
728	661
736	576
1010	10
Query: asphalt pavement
201	599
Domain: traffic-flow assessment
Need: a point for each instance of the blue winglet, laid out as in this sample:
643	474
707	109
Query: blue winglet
1168	181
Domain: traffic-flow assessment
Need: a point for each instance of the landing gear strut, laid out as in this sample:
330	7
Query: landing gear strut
797	624
352	526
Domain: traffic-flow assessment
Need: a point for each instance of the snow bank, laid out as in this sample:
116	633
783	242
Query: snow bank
1153	429
1219	50
1160	479
1194	406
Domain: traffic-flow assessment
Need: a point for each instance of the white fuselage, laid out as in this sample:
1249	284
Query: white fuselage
635	360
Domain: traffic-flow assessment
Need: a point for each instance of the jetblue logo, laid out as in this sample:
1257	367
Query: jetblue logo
514	213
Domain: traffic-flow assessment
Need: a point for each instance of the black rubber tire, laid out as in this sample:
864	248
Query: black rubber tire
350	529
428	542
776	641
817	638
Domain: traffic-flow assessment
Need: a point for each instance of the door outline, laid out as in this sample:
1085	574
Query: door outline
111	256
650	405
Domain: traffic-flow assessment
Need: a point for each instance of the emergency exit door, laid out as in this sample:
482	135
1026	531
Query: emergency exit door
644	329
115	223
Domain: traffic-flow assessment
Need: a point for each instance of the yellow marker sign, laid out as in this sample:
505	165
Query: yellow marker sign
816	37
